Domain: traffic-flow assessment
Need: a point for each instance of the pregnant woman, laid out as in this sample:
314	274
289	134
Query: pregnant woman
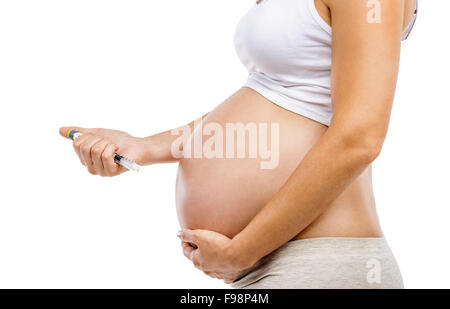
301	213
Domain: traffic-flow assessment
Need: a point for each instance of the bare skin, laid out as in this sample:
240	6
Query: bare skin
233	213
224	205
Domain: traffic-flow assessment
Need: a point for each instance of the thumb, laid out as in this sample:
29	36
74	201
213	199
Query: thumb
64	131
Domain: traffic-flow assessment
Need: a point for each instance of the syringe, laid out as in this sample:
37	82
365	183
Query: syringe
125	162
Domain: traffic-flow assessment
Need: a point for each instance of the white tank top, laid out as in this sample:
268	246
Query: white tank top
286	47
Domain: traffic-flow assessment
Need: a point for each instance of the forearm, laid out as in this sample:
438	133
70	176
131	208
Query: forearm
324	173
160	145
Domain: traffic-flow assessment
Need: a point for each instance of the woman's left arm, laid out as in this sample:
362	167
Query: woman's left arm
364	73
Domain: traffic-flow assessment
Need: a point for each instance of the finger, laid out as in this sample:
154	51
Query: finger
230	278
64	131
228	281
96	155
210	274
85	150
195	260
187	249
190	236
215	275
110	166
77	146
190	253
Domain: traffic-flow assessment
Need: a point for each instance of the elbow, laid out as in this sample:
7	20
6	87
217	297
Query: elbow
370	150
362	146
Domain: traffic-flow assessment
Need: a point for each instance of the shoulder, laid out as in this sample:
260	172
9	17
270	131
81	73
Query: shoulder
367	19
364	8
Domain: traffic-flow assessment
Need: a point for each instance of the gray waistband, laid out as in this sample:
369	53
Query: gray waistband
321	263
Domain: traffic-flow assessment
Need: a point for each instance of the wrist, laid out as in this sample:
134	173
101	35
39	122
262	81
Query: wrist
156	149
238	256
149	150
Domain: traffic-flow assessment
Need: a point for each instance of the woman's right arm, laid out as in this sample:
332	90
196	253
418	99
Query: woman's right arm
96	148
160	145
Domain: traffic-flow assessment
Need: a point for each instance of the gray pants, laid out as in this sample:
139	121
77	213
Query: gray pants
325	263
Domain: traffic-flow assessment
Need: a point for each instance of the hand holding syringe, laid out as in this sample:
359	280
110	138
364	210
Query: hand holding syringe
127	163
96	149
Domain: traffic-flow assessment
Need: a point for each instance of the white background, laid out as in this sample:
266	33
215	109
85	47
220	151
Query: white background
148	66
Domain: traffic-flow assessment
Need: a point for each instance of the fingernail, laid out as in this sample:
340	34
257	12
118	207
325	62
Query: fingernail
179	234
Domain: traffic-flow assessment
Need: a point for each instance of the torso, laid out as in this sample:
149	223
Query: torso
223	195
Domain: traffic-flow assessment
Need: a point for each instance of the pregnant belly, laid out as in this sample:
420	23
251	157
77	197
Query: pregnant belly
228	178
224	184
